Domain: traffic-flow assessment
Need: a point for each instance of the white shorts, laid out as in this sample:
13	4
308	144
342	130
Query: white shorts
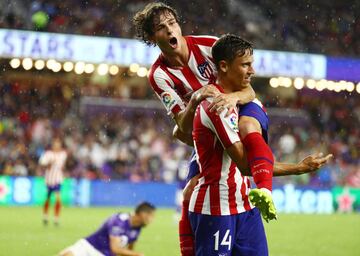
82	248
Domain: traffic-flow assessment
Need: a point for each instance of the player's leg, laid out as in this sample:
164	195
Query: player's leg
81	248
66	253
186	237
250	237
57	205
46	205
261	163
214	235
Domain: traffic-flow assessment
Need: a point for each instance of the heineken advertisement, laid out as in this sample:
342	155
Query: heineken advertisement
288	198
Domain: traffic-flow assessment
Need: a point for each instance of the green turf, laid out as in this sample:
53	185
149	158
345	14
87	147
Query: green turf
22	233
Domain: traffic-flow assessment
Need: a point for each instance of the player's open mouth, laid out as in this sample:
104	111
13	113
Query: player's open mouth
248	79
173	42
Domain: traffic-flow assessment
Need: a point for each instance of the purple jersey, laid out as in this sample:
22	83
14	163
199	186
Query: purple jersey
117	225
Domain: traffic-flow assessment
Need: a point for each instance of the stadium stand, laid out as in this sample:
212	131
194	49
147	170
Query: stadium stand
324	29
115	145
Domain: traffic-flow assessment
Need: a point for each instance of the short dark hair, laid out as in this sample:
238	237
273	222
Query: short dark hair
144	207
228	47
144	20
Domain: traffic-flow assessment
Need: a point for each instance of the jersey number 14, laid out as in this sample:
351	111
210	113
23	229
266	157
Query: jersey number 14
225	241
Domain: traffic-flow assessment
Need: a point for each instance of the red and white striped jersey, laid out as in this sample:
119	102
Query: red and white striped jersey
56	164
174	86
221	189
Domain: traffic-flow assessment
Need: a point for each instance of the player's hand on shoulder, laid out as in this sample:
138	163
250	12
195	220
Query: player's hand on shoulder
205	92
223	101
313	162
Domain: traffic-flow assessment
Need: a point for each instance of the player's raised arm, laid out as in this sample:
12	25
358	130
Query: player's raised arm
309	164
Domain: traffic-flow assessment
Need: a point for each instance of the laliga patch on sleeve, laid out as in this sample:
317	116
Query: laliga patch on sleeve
232	121
168	100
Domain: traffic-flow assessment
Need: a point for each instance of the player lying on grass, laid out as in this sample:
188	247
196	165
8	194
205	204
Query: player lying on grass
222	218
116	236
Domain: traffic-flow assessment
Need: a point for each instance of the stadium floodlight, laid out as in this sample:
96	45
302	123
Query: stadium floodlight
337	87
358	87
27	63
274	82
103	69
15	63
343	85
56	67
50	63
350	86
68	66
287	82
142	72
39	64
134	67
79	67
320	85
89	68
113	70
310	84
330	85
299	83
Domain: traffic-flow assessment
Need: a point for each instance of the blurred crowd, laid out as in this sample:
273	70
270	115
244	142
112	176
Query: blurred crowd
329	27
136	144
333	128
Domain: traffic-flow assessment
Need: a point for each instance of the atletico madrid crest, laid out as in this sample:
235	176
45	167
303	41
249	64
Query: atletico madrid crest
205	70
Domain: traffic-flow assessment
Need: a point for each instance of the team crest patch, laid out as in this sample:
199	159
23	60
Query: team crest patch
168	100
205	70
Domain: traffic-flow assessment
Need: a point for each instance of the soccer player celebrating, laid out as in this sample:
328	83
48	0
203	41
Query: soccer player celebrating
117	236
182	77
54	162
222	218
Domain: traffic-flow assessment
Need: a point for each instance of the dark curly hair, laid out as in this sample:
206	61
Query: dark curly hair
144	20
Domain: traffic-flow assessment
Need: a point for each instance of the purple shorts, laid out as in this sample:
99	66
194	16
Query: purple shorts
232	235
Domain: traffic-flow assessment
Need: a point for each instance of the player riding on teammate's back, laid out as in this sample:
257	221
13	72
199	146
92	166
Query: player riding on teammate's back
181	78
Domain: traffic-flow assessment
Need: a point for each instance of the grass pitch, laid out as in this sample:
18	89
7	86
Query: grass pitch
22	233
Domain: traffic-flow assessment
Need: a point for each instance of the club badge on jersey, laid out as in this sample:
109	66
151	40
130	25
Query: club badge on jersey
206	70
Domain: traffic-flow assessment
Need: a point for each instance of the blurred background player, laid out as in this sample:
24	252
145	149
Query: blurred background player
53	160
117	236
